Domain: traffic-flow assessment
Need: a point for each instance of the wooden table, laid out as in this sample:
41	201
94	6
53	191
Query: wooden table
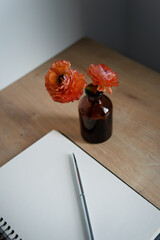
27	112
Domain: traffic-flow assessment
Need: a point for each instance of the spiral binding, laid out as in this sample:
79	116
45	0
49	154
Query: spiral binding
6	232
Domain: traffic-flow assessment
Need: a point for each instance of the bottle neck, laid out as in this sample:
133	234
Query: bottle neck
95	99
92	92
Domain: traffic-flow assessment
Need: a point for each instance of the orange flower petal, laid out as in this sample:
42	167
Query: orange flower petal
63	84
103	76
60	67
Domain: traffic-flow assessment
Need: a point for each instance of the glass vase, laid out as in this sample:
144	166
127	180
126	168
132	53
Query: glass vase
95	115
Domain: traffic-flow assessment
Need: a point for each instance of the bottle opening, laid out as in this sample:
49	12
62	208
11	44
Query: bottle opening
91	90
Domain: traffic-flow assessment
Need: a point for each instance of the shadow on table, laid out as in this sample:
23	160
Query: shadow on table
67	125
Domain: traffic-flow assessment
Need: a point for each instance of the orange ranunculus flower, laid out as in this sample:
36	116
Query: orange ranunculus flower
63	84
103	76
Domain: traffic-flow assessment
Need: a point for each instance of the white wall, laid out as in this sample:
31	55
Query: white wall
32	31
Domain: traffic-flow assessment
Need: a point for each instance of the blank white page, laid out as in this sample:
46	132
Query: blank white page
39	196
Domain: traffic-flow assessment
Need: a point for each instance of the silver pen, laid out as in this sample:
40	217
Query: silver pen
83	200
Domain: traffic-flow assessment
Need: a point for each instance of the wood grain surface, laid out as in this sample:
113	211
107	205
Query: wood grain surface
27	112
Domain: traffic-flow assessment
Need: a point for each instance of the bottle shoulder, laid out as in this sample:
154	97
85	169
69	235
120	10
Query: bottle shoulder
94	108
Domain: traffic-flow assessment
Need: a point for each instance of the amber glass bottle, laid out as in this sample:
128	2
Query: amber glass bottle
95	114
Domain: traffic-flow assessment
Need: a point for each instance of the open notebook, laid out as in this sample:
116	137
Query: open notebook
39	198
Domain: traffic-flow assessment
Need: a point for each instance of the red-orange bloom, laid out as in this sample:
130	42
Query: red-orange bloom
103	76
63	84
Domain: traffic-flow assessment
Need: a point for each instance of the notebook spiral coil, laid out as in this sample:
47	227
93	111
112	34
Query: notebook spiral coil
6	232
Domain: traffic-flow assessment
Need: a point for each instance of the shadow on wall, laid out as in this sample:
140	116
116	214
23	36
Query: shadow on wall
129	27
144	32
